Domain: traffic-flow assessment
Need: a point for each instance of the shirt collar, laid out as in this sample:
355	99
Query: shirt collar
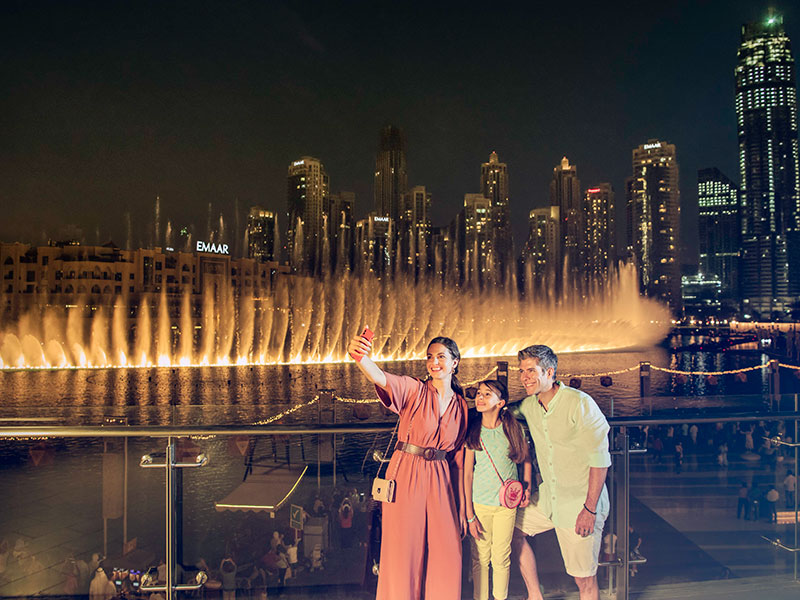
553	399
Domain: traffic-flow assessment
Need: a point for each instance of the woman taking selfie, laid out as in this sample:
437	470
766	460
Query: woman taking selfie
424	522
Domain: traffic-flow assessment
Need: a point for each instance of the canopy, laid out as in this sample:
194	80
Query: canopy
267	490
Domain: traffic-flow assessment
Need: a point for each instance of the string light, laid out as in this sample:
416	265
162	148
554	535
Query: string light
343	400
287	412
606	374
706	373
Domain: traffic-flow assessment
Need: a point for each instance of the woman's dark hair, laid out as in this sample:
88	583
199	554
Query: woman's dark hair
452	348
517	446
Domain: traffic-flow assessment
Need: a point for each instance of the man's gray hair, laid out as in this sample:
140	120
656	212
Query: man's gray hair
543	354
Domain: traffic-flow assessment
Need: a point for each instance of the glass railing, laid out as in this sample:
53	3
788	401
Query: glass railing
147	497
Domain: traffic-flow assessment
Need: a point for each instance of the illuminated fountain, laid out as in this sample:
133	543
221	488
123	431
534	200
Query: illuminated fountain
308	320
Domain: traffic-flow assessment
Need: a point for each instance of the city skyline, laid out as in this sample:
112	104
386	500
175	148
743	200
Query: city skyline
73	159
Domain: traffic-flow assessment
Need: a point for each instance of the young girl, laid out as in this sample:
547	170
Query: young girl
495	434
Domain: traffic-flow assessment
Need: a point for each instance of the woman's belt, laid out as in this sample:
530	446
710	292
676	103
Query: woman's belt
426	453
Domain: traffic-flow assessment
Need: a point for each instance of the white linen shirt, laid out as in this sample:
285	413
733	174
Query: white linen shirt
569	437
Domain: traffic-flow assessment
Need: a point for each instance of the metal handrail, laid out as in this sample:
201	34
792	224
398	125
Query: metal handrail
102	431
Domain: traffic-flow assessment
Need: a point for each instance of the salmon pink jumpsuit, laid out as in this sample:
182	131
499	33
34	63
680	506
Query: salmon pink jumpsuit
421	539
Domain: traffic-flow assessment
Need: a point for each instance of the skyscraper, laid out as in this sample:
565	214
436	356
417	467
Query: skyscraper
600	236
653	207
307	189
261	234
541	255
478	254
565	193
391	176
338	209
719	228
416	229
494	186
766	112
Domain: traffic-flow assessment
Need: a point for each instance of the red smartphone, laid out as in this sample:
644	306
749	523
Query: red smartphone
368	334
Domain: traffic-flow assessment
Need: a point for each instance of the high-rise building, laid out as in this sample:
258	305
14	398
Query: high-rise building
600	236
373	244
338	209
719	228
565	193
541	255
416	229
262	227
307	189
494	186
391	176
766	112
654	212
478	253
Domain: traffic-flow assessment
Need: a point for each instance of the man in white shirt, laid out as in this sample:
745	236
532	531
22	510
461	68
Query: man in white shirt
570	435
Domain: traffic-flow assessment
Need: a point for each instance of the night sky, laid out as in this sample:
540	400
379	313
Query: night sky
107	105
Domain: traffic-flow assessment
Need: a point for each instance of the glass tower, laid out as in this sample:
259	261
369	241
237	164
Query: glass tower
766	112
719	228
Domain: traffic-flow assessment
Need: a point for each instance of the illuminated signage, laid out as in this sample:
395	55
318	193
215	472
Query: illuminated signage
593	190
213	248
651	146
297	163
381	219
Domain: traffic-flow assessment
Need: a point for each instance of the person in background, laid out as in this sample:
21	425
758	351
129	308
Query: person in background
743	503
772	497
227	572
789	488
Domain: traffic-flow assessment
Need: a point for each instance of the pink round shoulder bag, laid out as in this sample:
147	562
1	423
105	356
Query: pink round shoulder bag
510	490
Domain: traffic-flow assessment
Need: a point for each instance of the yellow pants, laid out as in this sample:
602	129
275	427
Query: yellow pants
494	547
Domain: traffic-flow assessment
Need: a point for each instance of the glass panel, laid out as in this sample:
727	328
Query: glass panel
284	511
73	505
706	501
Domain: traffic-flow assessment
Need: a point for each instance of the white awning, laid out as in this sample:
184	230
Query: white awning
264	491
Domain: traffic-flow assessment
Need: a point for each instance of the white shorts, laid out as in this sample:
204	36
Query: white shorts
580	554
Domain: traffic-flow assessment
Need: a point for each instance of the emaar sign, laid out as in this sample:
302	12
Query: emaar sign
213	248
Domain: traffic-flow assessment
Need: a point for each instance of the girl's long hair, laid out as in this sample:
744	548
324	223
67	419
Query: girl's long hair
517	446
452	348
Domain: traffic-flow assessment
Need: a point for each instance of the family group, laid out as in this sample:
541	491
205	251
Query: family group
454	474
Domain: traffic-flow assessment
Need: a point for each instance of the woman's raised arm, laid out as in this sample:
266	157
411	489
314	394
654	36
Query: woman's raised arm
359	349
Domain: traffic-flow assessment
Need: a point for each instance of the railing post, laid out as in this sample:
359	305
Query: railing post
502	371
644	379
623	513
775	381
170	488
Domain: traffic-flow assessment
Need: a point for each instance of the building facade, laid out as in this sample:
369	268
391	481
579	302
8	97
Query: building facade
565	193
494	186
262	234
600	236
307	188
766	113
391	173
479	257
541	255
416	230
653	209
719	229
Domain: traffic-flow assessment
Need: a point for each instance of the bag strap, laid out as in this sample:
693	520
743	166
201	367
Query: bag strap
389	445
408	436
485	449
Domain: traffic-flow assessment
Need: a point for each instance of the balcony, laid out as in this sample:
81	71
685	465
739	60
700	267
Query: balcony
180	489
